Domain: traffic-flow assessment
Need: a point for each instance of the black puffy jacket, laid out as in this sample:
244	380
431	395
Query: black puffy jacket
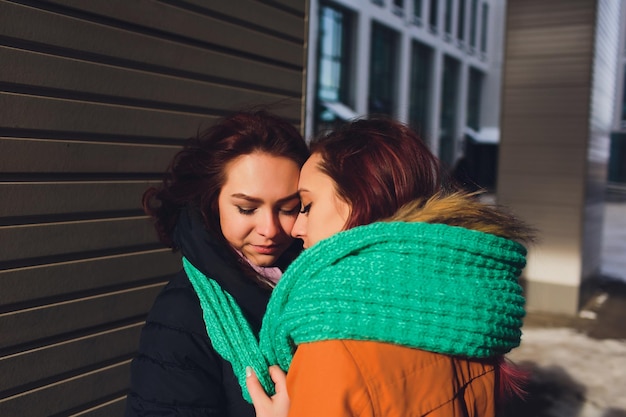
177	372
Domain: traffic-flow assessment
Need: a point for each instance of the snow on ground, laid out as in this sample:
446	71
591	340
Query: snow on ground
572	375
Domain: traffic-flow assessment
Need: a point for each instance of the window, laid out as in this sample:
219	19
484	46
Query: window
398	8
473	23
448	17
474	98
460	23
417	10
624	103
421	61
333	64
483	34
432	18
382	84
449	109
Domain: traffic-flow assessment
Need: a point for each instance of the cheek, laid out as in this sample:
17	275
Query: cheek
287	223
233	226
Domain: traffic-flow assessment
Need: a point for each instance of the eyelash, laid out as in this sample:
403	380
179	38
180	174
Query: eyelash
305	209
245	212
249	212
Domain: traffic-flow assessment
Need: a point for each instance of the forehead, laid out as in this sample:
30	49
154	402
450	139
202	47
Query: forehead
310	168
260	173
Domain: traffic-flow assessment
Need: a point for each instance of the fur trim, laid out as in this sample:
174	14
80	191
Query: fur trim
465	210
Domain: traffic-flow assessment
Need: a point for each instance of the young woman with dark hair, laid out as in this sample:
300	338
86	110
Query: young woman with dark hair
228	202
406	298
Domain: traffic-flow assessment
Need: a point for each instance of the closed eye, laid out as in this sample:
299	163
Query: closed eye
246	211
290	212
305	209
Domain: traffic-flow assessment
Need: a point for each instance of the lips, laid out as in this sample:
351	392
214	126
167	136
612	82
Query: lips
266	249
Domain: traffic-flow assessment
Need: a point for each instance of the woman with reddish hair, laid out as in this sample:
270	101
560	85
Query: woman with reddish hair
227	203
406	298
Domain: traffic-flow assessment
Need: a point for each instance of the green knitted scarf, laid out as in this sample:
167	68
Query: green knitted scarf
434	287
229	331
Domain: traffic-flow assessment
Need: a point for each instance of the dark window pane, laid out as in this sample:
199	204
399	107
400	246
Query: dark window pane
382	70
421	64
417	8
474	98
432	19
448	16
449	109
483	35
473	23
333	62
460	27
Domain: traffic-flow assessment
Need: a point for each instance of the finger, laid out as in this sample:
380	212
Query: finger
279	377
281	398
257	393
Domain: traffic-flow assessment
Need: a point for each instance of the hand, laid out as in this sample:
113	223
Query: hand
264	405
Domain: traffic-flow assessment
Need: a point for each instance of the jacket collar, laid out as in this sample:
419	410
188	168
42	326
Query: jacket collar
219	263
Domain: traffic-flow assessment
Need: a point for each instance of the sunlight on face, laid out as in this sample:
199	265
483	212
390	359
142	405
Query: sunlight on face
323	213
258	205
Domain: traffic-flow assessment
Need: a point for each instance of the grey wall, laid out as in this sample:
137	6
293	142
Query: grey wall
559	75
95	98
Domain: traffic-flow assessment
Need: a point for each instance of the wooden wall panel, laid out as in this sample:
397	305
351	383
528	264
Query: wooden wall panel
96	98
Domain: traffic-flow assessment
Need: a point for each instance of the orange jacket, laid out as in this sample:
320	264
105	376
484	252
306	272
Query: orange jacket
367	379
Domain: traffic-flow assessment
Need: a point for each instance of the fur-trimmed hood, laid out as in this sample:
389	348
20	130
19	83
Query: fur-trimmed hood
466	210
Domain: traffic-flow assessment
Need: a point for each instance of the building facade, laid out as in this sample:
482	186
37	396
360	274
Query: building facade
434	64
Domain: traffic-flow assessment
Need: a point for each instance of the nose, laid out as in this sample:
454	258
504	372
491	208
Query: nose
299	227
269	226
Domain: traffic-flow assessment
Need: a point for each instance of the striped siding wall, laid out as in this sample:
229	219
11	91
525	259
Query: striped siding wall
549	108
95	98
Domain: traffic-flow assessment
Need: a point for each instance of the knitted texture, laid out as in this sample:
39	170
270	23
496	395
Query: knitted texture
228	329
435	287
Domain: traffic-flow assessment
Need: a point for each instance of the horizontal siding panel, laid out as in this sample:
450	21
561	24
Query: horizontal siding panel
551	14
547	101
548	71
569	131
258	14
69	356
63	156
296	6
107	83
205	28
111	408
53	239
157	14
559	190
79	197
550	41
547	159
68	394
82	117
75	37
21	285
37	323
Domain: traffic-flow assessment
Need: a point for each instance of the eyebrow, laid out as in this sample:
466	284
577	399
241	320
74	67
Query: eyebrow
259	201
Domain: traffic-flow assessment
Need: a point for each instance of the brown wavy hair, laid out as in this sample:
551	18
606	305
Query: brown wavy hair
196	174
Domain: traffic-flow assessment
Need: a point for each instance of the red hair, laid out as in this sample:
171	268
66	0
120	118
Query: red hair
377	165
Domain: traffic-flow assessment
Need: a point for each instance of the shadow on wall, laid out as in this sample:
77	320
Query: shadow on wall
552	393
